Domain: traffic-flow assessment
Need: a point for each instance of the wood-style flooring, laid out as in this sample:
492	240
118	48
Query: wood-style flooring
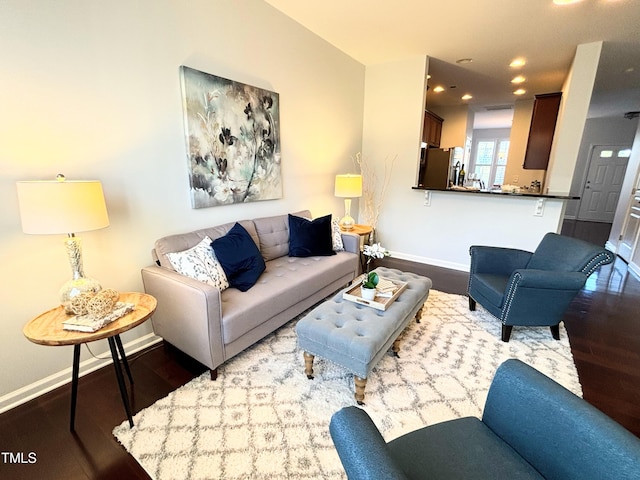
603	325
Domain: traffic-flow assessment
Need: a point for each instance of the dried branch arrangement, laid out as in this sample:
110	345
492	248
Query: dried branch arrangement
372	201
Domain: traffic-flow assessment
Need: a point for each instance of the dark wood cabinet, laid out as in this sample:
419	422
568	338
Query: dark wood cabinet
432	129
543	124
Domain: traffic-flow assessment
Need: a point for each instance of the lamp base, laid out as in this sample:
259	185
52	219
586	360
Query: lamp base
75	287
347	222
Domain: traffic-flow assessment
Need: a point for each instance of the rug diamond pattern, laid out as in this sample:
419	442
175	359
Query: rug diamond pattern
263	419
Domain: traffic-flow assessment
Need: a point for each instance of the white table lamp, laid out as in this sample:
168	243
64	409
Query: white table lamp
64	207
348	186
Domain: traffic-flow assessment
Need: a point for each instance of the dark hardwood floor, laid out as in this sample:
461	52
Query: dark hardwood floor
603	325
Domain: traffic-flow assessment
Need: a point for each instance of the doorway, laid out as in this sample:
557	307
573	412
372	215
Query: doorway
601	191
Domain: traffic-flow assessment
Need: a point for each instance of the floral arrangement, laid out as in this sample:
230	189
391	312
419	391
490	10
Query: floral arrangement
374	250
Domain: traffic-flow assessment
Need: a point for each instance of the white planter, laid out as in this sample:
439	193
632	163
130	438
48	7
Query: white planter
368	293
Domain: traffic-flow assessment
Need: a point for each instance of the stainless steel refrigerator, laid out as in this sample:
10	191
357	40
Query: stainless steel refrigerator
437	168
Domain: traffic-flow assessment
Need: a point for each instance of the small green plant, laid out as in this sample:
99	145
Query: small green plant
370	280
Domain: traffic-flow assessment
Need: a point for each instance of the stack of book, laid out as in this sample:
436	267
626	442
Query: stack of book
386	288
89	323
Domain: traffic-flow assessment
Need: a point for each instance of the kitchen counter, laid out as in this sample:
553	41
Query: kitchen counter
523	193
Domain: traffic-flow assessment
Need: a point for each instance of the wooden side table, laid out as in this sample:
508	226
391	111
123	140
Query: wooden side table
364	231
46	329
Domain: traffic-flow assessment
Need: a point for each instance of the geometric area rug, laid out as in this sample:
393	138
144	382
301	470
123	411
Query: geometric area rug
263	419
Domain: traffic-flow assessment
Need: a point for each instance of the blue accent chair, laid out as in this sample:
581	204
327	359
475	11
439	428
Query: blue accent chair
531	427
532	289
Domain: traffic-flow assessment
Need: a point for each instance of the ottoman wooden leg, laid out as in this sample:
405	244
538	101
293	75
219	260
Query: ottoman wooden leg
419	314
308	365
395	348
360	384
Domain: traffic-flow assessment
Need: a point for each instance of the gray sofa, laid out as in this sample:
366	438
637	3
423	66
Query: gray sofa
212	326
531	427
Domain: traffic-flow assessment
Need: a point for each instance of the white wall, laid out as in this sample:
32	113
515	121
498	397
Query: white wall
576	96
439	234
629	185
91	89
598	131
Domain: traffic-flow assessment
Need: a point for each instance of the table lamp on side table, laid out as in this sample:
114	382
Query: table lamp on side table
348	186
59	207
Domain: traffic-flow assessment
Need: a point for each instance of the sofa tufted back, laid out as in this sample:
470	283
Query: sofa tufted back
271	235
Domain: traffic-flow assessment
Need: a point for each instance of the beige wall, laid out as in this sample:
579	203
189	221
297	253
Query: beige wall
522	112
455	126
91	89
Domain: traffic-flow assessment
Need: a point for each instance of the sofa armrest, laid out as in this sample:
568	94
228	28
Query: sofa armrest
351	242
188	315
362	450
558	433
497	260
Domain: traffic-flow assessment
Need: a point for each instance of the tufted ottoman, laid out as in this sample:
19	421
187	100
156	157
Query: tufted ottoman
356	336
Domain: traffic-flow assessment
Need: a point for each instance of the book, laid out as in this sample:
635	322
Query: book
89	323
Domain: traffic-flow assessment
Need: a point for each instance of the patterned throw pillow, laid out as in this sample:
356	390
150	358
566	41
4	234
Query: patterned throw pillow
200	263
336	236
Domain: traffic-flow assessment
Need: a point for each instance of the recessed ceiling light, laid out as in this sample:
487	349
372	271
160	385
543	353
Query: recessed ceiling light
518	79
438	89
462	61
517	63
466	96
565	2
520	91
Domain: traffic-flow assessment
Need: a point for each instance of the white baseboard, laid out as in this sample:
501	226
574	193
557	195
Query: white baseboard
431	261
29	392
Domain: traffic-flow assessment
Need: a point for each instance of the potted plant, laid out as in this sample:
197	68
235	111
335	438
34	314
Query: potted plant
369	283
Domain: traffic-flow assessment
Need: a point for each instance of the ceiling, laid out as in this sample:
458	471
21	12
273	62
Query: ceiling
492	33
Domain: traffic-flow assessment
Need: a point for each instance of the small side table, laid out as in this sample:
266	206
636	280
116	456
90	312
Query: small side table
364	231
46	329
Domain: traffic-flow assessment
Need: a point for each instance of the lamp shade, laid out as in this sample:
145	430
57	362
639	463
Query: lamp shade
61	207
348	186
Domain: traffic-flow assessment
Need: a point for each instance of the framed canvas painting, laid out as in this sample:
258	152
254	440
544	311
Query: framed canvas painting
233	140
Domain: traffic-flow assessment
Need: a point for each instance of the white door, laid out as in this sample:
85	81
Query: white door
601	192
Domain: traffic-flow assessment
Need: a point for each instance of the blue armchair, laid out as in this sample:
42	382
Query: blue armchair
531	427
532	289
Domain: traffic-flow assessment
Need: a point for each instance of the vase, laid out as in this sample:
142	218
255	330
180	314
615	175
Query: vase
368	293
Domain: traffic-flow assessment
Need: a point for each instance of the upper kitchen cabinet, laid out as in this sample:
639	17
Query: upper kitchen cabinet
432	129
543	125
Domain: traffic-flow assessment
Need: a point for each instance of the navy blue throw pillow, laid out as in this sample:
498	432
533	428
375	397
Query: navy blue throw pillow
310	238
240	258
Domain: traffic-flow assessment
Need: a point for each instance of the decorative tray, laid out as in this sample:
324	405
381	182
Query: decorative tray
393	289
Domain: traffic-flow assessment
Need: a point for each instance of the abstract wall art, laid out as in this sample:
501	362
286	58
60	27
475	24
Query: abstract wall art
233	140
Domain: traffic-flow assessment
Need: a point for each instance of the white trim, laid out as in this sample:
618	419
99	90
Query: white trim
635	269
40	387
610	246
431	261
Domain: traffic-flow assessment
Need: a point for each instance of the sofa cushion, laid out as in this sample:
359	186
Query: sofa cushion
240	258
309	238
273	233
286	282
336	236
184	241
200	263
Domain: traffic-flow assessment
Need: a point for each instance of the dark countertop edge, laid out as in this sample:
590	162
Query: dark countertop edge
503	194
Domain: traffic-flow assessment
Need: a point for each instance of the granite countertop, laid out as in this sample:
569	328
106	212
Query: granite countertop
513	193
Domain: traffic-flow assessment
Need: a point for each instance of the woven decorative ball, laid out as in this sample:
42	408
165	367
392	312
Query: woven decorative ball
102	303
79	303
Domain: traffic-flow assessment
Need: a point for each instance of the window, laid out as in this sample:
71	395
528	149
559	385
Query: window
489	161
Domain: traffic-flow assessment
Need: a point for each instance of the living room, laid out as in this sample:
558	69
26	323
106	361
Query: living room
92	91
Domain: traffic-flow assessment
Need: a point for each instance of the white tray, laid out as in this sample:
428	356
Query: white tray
353	294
